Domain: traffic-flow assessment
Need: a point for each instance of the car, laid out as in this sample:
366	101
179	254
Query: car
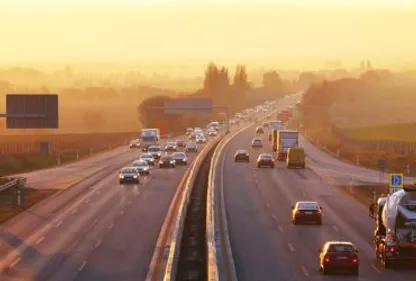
129	174
156	151
167	161
338	255
265	160
200	139
259	130
257	143
171	146
306	211
134	144
191	147
265	125
148	157
212	133
189	131
192	136
180	143
241	155
180	158
142	167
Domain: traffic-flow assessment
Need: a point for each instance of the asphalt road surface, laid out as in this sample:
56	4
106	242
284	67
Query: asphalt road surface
95	230
267	246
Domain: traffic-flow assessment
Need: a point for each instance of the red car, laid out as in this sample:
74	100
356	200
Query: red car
306	211
241	155
337	256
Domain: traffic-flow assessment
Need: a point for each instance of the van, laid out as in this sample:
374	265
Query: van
295	158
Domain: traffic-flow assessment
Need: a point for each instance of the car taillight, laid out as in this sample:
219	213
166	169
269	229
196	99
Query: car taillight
327	259
354	260
391	249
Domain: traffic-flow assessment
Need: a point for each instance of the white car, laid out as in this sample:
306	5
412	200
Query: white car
200	139
142	167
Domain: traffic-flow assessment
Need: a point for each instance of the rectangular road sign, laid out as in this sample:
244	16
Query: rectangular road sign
188	106
396	182
25	111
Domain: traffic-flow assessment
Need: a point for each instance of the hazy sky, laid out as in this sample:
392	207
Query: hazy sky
32	30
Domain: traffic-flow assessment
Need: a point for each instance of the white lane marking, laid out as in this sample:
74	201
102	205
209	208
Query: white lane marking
111	226
267	205
97	244
74	211
58	224
15	262
121	212
274	218
335	228
280	228
87	201
40	240
305	272
291	247
376	269
82	266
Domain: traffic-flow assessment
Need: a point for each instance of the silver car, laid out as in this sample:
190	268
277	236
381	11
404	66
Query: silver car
142	167
129	174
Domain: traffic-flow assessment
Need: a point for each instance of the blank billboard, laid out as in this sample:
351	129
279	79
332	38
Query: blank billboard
32	111
188	106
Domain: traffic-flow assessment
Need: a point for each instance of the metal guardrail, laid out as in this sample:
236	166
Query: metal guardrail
13	182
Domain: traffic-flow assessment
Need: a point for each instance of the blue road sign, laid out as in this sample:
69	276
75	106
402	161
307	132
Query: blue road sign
396	181
381	164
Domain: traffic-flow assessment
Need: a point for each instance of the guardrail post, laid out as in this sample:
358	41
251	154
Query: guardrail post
338	152
358	160
77	154
58	159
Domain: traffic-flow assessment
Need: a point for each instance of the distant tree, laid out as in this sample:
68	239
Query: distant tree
369	66
240	81
371	77
94	121
272	82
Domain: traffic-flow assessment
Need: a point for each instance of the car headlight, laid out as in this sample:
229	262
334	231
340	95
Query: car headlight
145	168
172	161
135	177
121	176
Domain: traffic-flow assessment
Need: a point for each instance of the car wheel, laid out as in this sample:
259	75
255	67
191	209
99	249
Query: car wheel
303	166
121	181
258	166
319	222
160	166
294	221
355	271
272	166
325	271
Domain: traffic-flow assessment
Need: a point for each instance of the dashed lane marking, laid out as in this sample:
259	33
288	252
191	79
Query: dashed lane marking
376	269
97	244
39	240
291	247
121	212
58	224
74	211
305	272
15	262
274	217
335	228
82	266
111	226
280	228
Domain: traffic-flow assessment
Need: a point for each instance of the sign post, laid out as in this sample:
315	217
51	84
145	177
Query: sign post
381	167
396	182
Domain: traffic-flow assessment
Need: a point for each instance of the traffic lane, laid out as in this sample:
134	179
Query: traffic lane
125	252
27	255
258	251
81	230
281	188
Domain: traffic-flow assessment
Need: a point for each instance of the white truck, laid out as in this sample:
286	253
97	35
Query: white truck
149	137
283	140
275	125
395	232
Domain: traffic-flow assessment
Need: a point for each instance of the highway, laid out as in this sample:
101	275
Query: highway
95	230
266	245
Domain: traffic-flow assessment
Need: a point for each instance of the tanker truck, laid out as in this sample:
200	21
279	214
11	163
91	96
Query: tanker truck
395	233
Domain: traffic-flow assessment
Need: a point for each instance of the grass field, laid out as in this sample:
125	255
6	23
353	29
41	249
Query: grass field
398	132
22	153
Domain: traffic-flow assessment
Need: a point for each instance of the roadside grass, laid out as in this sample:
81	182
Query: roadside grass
398	132
368	157
64	149
365	193
8	207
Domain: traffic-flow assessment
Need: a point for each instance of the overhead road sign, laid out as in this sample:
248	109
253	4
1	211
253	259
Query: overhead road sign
396	182
25	111
188	106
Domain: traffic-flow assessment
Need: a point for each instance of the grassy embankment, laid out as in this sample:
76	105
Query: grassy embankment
68	147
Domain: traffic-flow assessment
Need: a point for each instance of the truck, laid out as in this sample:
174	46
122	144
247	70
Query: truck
283	140
275	125
284	115
149	137
395	231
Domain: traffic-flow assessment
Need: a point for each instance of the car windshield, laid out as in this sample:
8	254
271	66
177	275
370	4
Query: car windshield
167	158
340	248
242	152
191	145
308	206
154	149
146	156
128	170
256	140
171	144
179	155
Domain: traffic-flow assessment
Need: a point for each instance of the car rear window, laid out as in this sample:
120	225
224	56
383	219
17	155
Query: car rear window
265	156
179	155
308	206
340	249
128	170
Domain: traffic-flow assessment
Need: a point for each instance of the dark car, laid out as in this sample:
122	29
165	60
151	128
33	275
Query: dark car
191	147
171	146
265	160
337	256
181	143
167	161
265	125
148	158
241	155
156	151
180	158
259	130
135	144
142	167
306	211
257	143
129	174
